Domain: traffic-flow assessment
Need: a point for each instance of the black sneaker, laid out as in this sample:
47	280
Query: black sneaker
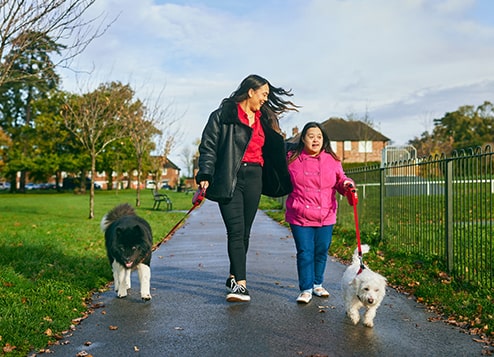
239	294
230	284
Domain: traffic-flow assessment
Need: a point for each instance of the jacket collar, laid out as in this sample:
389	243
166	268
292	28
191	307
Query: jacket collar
304	155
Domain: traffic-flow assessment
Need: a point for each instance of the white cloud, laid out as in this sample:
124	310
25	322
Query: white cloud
401	61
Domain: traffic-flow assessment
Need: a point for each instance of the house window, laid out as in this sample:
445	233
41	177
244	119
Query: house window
347	145
365	146
334	145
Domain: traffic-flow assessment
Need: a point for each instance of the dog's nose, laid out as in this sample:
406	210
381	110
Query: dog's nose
370	300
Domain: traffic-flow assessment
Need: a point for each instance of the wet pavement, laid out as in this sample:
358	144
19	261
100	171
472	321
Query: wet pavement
189	316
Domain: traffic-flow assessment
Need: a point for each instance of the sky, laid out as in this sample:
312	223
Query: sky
398	64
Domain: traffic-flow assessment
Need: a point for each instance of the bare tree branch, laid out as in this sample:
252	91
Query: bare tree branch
63	21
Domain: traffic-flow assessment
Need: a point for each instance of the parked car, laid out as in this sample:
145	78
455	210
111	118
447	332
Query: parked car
4	186
72	183
48	186
32	186
166	187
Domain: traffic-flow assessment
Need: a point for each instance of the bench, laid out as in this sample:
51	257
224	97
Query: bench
161	197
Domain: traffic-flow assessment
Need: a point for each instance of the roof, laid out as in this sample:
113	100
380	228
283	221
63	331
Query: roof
339	129
168	163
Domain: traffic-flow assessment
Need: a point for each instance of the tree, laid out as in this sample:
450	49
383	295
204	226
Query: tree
141	131
188	156
5	143
18	94
163	119
61	20
58	150
466	127
119	158
97	119
187	159
429	144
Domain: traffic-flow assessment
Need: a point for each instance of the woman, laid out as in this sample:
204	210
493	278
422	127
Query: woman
316	174
242	155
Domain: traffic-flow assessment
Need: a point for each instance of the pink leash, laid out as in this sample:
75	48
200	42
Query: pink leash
353	200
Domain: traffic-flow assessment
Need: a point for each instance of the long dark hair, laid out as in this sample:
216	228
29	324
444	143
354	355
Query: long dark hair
275	105
326	144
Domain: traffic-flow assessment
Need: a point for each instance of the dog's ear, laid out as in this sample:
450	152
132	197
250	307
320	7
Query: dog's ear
355	283
137	229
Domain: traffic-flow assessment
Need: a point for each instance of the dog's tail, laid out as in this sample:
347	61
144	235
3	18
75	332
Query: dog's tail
119	211
365	249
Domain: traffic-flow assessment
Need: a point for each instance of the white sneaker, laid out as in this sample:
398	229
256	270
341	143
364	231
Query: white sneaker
320	291
305	297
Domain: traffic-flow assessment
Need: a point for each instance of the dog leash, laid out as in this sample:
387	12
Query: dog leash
353	200
197	199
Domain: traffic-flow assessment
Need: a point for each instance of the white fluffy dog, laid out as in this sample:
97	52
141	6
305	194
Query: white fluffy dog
364	289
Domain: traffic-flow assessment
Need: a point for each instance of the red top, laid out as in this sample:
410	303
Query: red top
253	153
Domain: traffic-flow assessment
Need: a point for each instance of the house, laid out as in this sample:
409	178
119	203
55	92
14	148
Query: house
170	174
352	140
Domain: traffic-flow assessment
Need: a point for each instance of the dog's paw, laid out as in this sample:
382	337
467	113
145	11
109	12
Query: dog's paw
122	293
146	297
354	316
369	323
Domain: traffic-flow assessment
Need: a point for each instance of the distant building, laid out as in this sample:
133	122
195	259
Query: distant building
170	178
352	140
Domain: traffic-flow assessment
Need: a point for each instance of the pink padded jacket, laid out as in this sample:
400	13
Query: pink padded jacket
315	179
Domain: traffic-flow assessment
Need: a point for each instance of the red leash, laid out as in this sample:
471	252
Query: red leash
196	202
353	200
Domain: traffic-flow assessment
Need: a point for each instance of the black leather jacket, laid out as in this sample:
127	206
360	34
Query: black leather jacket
223	144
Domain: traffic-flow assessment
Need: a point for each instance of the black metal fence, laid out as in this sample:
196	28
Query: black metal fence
439	207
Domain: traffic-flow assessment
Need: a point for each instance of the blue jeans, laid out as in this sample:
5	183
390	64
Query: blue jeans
312	245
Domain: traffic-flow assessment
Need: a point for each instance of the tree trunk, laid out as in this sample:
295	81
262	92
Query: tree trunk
91	187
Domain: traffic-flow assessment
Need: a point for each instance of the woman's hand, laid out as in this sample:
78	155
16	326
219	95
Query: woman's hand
347	184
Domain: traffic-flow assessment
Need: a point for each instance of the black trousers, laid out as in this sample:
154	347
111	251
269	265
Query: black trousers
238	216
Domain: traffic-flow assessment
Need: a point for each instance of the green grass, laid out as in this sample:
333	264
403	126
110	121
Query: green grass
53	257
458	303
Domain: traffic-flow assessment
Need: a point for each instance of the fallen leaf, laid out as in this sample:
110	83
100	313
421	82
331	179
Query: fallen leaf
113	328
8	348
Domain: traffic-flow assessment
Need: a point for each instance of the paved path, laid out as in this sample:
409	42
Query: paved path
189	316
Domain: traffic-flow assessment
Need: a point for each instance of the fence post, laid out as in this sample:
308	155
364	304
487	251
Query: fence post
449	215
382	191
